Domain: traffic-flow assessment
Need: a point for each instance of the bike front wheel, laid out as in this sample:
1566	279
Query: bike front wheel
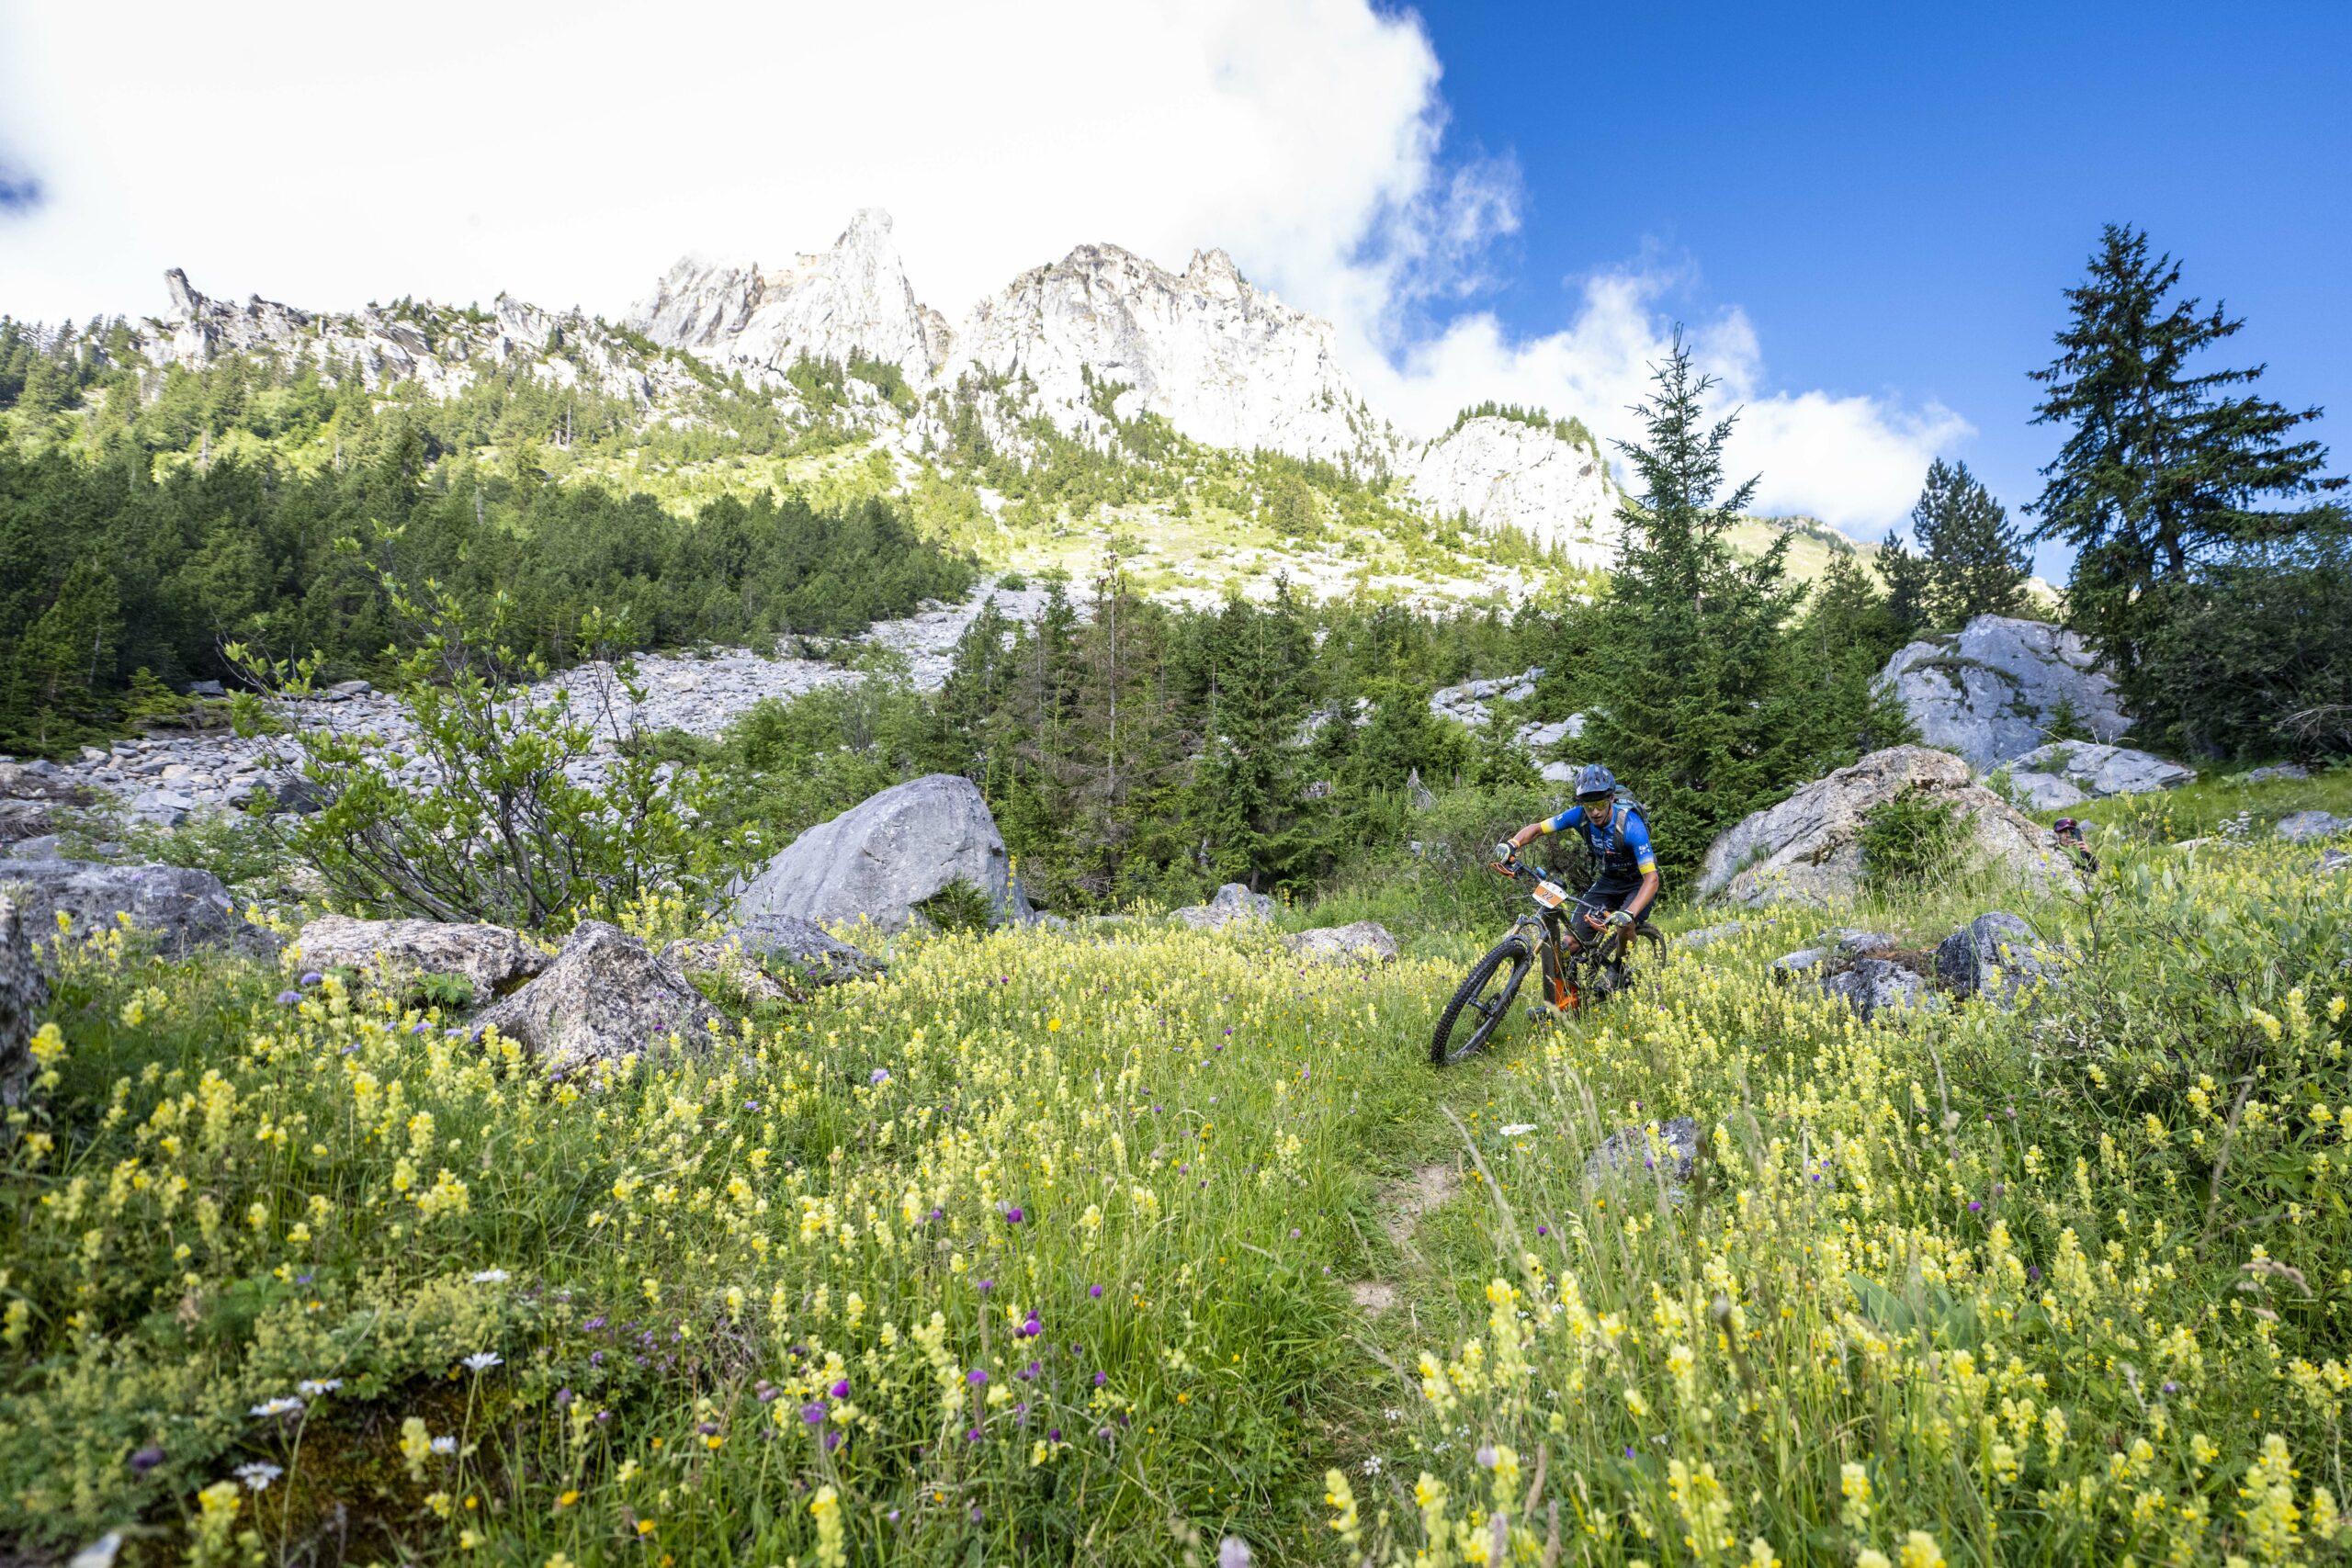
1482	1002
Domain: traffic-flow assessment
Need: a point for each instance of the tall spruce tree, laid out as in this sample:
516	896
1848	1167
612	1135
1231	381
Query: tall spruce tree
1691	676
2165	468
1910	587
1976	564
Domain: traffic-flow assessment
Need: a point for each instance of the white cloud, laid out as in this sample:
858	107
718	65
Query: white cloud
568	152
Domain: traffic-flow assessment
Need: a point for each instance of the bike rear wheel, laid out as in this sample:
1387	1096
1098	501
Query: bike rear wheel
1482	1002
1641	948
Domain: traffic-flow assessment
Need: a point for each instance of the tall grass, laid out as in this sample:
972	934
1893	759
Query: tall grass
1040	1248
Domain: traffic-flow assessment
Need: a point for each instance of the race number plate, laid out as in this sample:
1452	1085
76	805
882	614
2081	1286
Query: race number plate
1550	896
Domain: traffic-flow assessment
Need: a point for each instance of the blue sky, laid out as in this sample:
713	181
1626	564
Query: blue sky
1895	194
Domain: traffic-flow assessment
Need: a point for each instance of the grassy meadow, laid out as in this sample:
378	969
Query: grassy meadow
1138	1245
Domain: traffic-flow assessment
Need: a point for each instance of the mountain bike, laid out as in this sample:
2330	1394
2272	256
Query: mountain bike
1579	967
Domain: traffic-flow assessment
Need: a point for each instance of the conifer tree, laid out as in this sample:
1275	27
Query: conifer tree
1910	587
2165	468
1692	652
1975	563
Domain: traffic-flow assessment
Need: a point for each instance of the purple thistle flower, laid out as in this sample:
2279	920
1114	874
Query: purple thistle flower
841	1389
813	1412
1012	1215
1542	1230
312	977
288	998
881	1075
1053	1434
985	1286
1975	1205
1094	1291
146	1458
1102	1378
972	1435
767	1396
977	1377
832	1439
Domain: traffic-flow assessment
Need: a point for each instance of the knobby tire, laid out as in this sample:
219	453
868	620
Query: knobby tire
1511	950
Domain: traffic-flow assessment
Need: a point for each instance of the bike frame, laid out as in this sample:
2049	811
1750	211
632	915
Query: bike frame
1555	945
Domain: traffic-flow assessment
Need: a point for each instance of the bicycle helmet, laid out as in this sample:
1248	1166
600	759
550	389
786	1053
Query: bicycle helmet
1595	782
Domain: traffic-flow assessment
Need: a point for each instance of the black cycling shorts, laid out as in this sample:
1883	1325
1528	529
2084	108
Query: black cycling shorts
1606	893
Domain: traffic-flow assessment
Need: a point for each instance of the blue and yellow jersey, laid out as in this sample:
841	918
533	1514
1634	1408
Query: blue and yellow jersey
1618	838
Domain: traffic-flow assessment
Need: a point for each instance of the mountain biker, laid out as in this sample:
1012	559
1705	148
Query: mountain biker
1627	882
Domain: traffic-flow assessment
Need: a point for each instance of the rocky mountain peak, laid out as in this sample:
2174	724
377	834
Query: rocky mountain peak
851	301
1224	362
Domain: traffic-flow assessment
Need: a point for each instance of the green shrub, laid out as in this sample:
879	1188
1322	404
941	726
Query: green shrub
497	830
961	906
1910	841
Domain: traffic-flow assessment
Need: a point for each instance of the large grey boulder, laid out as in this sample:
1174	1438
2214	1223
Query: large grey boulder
1994	956
2092	772
182	909
604	997
1991	690
492	958
1232	902
1808	848
23	991
881	860
1874	985
2303	826
1367	940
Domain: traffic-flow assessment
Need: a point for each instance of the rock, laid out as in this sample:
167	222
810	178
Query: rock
207	689
1808	848
1557	773
604	997
2331	861
884	857
1995	955
23	992
1537	739
1232	902
290	791
1990	691
1706	936
2276	770
1668	1150
1799	961
43	848
1224	362
1417	792
1531	479
2044	791
781	942
1874	985
22	820
852	302
183	909
2303	826
2101	770
167	808
1365	938
492	958
1852	943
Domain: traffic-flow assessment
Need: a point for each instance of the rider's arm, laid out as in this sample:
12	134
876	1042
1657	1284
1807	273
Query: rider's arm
1637	839
1534	831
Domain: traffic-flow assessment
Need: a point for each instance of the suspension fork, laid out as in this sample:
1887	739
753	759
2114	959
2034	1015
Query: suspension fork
1558	991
